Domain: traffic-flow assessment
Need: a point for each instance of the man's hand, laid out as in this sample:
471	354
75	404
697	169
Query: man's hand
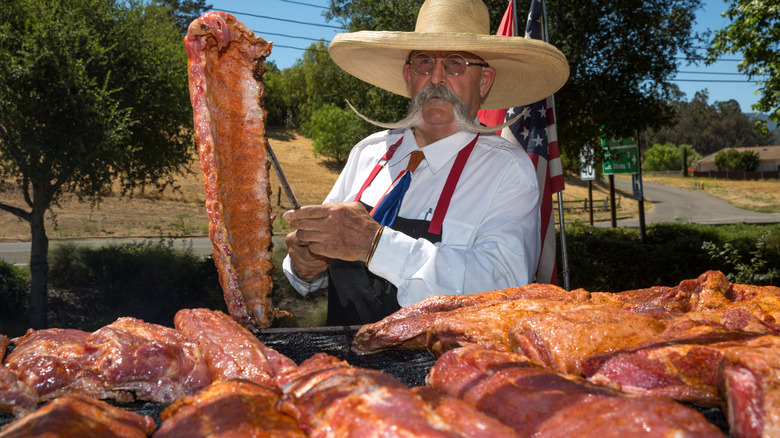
342	230
305	264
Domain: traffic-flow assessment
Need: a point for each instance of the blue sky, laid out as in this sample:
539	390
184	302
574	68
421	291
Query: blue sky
295	24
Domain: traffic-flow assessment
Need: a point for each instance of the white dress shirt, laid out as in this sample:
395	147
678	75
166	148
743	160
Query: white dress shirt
491	232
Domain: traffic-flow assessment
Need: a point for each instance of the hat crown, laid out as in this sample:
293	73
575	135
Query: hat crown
453	16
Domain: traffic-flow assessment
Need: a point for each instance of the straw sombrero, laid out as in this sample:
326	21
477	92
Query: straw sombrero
527	70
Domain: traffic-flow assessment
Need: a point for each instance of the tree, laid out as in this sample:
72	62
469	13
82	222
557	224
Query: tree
91	92
184	12
668	156
612	83
732	159
709	128
662	157
755	31
335	131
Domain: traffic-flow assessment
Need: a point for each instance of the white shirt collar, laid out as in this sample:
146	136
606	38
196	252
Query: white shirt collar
437	154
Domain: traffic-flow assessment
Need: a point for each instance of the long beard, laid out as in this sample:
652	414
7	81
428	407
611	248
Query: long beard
413	118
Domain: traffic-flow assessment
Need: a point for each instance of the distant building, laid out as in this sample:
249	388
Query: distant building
769	156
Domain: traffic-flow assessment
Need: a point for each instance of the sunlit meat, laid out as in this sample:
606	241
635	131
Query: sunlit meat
225	65
682	363
53	363
329	397
408	327
231	351
83	417
750	382
538	402
561	340
228	408
154	362
16	396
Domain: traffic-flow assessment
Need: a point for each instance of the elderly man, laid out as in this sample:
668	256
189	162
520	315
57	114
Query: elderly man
466	218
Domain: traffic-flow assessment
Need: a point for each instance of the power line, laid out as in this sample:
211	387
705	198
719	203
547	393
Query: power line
282	19
305	4
710	73
712	80
299	48
257	32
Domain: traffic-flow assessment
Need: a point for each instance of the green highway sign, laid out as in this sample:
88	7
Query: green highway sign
621	156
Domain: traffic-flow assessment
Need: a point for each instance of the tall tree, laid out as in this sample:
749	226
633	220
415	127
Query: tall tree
755	32
91	92
185	12
621	54
708	128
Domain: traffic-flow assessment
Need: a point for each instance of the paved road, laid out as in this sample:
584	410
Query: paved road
18	253
672	204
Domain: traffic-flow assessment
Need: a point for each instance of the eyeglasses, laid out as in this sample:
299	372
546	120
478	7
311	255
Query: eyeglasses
455	65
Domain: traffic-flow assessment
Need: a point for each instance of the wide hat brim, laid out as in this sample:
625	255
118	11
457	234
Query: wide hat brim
527	70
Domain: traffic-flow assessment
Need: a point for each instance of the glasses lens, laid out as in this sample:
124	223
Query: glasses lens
455	65
422	64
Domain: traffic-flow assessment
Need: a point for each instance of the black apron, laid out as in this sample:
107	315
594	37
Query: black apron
357	296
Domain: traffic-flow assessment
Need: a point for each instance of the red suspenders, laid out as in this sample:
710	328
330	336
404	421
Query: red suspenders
449	185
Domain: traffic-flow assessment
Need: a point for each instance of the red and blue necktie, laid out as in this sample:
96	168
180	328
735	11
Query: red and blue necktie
387	209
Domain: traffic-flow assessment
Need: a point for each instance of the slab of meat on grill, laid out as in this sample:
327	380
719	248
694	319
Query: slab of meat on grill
736	306
225	66
329	397
228	409
408	327
231	351
681	363
562	340
485	325
16	396
53	363
79	416
539	402
463	416
750	382
154	362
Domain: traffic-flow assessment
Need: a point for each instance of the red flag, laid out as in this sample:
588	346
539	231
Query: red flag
507	28
536	133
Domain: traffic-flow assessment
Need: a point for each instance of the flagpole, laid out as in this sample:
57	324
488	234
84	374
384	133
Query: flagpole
564	252
514	8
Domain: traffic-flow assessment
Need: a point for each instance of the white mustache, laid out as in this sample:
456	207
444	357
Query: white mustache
461	111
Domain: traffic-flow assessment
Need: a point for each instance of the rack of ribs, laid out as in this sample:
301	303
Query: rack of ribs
225	66
231	351
126	360
562	340
408	327
79	416
682	362
16	396
153	362
228	408
53	363
329	397
750	382
539	402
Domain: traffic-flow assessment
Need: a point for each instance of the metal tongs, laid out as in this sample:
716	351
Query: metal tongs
282	179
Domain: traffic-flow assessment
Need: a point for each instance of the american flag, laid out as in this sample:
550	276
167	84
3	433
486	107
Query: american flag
536	133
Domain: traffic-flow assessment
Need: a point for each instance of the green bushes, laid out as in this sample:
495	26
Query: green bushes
150	281
614	259
334	131
14	300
